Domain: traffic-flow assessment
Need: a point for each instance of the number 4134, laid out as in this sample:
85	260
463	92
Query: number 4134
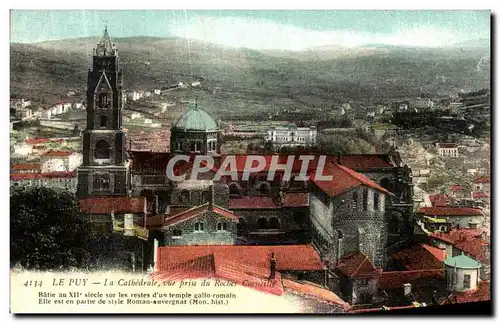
33	283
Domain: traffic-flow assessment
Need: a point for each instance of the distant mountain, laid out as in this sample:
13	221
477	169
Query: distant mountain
313	79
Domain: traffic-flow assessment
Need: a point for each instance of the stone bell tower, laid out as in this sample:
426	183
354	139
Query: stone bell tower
105	168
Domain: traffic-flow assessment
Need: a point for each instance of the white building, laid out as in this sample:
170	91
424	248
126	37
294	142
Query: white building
157	91
135	115
70	159
292	136
56	180
447	149
22	150
462	273
19	103
53	165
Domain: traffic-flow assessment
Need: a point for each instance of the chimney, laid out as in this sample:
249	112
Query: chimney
155	255
272	275
407	289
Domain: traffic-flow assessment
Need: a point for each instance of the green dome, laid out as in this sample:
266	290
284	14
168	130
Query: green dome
196	120
462	261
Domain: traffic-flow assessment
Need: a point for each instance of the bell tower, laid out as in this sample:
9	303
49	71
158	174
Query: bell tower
105	168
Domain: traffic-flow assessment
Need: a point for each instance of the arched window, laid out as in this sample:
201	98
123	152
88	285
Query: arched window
264	189
101	182
206	196
234	190
241	227
184	196
274	223
102	150
103	99
222	226
102	121
354	199
262	222
199	227
376	201
365	199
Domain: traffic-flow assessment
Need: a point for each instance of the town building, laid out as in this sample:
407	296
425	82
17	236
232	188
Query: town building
70	159
19	104
461	217
55	180
291	136
462	274
447	149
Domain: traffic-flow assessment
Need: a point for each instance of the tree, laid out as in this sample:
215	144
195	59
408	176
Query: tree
47	230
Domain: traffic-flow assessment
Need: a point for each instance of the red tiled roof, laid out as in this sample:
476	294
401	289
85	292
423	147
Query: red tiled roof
480	295
197	211
482	180
450	211
421	257
343	179
26	167
252	202
50	175
456	235
396	279
356	265
217	266
58	153
295	199
33	141
118	205
456	188
476	195
304	256
316	292
475	248
364	161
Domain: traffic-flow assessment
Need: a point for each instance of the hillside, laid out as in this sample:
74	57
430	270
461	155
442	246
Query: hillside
251	80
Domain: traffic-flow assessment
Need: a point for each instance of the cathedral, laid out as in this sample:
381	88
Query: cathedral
365	209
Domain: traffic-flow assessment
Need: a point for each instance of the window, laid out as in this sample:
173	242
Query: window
354	199
103	99
234	190
221	226
365	199
185	196
199	227
340	234
376	201
179	146
206	196
466	281
264	189
262	222
102	121
274	223
176	233
101	182
102	150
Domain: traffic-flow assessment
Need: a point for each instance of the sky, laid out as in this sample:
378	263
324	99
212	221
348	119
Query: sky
277	30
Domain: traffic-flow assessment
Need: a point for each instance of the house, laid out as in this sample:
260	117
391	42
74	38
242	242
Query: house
22	150
447	149
206	224
19	103
54	180
458	216
24	113
482	184
53	165
135	115
291	136
71	159
31	168
157	91
462	274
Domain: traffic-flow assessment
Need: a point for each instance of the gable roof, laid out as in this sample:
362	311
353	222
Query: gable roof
118	205
343	179
356	265
304	257
102	79
197	211
420	257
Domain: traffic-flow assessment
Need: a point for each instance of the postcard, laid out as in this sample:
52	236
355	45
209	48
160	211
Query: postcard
183	161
